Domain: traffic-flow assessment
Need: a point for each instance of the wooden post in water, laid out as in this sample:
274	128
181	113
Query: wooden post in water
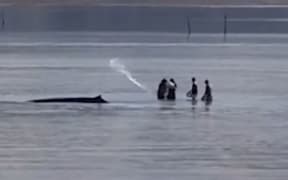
3	21
225	28
188	24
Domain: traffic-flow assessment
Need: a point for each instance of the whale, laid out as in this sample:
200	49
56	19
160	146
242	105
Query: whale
97	99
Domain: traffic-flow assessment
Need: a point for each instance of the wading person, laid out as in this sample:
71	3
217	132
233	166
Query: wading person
171	85
194	90
162	89
207	96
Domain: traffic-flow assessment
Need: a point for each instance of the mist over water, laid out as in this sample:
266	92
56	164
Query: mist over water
120	67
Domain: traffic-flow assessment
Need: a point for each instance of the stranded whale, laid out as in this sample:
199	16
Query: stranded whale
97	99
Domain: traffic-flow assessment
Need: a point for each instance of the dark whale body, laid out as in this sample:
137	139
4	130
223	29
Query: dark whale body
97	99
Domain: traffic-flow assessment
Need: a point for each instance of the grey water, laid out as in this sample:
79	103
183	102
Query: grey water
144	19
242	135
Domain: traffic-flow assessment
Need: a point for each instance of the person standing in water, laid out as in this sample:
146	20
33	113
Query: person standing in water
171	89
207	96
194	90
162	89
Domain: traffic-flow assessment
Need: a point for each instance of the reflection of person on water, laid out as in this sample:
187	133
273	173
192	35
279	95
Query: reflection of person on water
207	96
171	85
162	89
194	90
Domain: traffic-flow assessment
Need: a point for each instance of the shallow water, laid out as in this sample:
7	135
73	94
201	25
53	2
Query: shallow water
144	19
242	135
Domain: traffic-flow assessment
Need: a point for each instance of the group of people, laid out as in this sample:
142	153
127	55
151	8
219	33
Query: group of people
167	90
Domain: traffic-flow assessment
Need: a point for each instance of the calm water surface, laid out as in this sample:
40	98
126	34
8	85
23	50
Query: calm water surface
242	135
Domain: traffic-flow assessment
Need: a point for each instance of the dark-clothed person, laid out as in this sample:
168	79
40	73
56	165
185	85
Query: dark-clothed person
207	96
194	90
162	89
171	89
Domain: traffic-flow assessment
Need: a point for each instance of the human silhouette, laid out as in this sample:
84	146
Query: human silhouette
194	90
162	89
207	96
171	85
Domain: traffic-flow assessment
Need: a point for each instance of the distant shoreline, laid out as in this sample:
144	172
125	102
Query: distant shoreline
167	5
178	5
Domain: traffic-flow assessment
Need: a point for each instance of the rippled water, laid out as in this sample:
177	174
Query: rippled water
242	135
